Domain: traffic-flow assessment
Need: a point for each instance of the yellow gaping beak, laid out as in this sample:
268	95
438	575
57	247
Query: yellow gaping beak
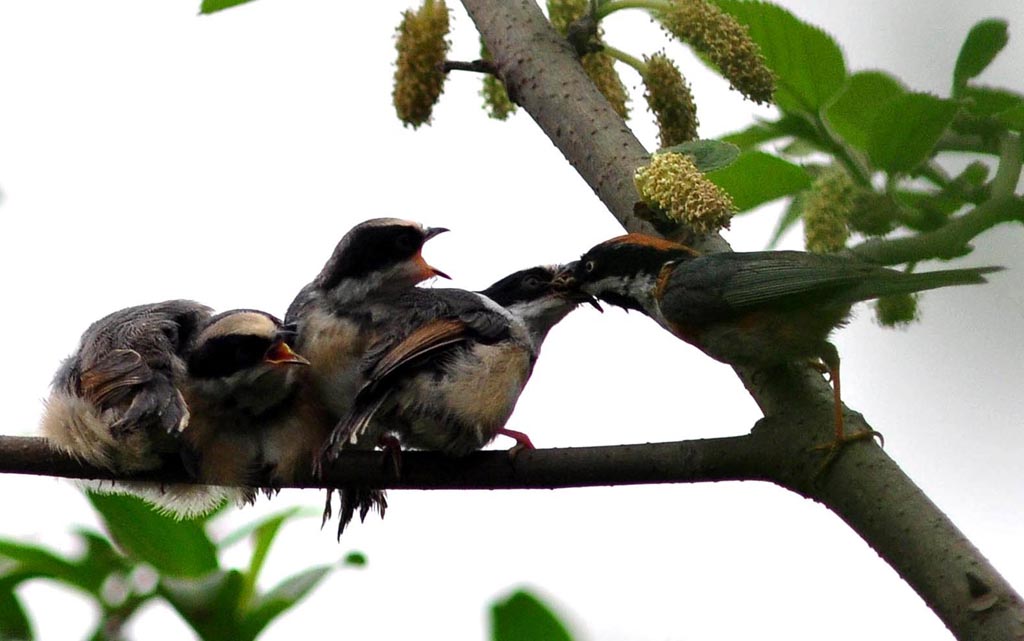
281	354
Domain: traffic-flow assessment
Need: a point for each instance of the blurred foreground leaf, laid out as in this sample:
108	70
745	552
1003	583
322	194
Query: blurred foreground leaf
173	547
213	6
524	617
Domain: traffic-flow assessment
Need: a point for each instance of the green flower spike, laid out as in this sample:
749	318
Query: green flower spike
422	48
673	184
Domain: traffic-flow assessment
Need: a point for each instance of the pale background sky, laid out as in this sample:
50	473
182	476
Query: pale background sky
148	153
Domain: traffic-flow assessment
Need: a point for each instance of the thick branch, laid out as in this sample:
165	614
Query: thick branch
865	487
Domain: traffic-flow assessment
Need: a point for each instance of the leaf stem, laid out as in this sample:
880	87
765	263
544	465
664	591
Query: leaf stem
842	151
1008	174
622	56
612	6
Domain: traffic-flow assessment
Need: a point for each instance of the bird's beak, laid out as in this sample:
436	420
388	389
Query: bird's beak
566	282
565	277
281	354
427	270
430	232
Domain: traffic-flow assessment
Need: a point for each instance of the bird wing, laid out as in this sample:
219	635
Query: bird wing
441	321
718	286
133	357
423	342
766	278
112	376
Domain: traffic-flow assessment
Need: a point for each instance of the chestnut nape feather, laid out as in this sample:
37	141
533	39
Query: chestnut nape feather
627	258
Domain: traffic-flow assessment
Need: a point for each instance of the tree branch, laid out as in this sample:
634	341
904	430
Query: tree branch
952	239
476	66
885	508
721	459
864	487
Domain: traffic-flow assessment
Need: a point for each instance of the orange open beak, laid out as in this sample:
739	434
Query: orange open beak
281	354
425	270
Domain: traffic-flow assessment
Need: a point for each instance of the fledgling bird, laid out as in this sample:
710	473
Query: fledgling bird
116	401
335	315
254	417
160	381
338	316
750	308
449	369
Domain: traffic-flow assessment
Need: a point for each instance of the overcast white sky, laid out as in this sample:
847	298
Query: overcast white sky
148	153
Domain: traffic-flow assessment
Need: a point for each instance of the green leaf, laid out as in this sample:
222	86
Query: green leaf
927	211
853	111
757	177
524	617
14	621
789	218
213	6
1013	118
984	41
799	148
263	538
989	101
754	135
788	125
905	130
708	155
174	548
209	604
808	63
100	558
44	563
240	534
355	559
280	599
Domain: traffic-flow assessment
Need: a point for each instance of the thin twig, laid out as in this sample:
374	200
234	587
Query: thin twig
477	66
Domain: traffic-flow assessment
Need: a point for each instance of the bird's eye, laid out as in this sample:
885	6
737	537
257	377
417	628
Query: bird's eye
589	266
532	282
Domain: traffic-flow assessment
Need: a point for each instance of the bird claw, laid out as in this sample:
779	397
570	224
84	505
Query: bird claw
833	448
522	442
392	452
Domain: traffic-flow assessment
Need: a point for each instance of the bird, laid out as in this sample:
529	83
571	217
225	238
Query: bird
115	402
760	309
451	364
337	316
255	421
171	381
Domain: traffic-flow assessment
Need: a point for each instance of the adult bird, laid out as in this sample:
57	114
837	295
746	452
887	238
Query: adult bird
750	308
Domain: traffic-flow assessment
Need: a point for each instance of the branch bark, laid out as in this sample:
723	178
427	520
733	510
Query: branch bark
721	459
865	488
